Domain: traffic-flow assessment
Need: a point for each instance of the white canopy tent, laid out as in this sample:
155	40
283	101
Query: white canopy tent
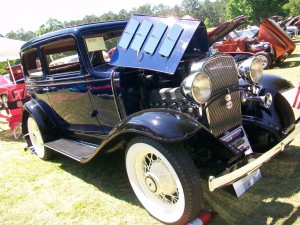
9	50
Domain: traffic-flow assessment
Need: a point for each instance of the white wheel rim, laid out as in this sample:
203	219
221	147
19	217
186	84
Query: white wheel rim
36	137
263	59
4	100
155	182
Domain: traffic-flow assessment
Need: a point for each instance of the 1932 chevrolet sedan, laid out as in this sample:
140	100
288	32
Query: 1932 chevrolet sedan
150	87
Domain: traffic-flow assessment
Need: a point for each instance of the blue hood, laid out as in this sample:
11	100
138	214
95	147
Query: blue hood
158	44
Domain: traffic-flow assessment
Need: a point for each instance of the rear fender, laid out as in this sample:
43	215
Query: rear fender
46	121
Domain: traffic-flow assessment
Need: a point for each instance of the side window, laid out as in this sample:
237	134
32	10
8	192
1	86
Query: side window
61	56
100	47
32	64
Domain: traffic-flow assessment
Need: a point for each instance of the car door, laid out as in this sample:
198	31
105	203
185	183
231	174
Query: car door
100	46
66	86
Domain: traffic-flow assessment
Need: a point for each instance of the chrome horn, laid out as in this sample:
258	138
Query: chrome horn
266	100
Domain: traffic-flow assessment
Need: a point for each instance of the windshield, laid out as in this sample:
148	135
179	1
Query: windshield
7	77
100	47
234	34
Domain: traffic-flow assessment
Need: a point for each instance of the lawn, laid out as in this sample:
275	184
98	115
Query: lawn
63	191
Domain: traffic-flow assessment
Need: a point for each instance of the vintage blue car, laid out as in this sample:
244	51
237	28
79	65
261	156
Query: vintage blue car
163	99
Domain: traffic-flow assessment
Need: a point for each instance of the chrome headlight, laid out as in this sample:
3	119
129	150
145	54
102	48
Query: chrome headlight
196	87
252	69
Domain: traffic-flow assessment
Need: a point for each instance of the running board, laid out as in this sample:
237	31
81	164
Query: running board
79	151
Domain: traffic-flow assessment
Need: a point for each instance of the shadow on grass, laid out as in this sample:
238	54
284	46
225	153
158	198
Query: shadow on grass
281	178
6	135
296	41
106	172
288	64
270	201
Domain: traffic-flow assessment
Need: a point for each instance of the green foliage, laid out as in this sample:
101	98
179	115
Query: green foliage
51	25
292	7
4	64
191	8
255	10
208	23
20	35
161	10
91	19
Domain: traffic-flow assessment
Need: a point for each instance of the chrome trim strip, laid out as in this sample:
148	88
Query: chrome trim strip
58	83
229	178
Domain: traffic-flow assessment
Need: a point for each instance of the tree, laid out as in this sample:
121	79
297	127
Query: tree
20	35
219	11
191	8
292	7
123	15
208	23
51	25
177	11
161	10
108	16
91	19
144	10
255	10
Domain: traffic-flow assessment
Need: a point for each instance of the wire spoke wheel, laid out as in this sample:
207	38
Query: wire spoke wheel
265	58
165	180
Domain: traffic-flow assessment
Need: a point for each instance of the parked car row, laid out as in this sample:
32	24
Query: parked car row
293	21
163	99
268	42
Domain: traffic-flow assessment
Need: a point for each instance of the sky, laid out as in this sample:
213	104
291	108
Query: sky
30	14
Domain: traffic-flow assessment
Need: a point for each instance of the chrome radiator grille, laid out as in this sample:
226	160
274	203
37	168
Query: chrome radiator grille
223	74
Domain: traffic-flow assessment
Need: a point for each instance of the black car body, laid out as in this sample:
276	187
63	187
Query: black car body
162	99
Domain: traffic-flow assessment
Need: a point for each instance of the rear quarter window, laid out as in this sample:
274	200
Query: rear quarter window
61	56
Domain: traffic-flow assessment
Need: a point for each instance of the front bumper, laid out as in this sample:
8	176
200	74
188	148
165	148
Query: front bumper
236	174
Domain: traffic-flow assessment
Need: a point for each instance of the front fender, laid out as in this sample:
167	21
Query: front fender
160	124
272	84
163	125
269	84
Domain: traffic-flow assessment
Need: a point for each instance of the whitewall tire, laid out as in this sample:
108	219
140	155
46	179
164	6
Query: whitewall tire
165	180
37	140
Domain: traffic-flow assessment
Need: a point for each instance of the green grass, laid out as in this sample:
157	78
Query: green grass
63	191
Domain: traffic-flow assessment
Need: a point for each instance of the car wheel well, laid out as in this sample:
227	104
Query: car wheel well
25	116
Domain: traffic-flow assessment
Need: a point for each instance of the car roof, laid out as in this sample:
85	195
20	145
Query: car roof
76	30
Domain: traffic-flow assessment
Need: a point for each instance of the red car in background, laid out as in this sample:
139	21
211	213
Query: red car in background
283	45
271	43
13	94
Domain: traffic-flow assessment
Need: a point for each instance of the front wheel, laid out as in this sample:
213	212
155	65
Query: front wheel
37	140
265	58
4	100
165	180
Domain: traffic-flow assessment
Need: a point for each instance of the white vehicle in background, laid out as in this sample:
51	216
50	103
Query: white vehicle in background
292	31
65	60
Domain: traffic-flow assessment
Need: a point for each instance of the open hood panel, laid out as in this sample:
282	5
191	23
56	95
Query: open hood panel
273	33
225	28
158	43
